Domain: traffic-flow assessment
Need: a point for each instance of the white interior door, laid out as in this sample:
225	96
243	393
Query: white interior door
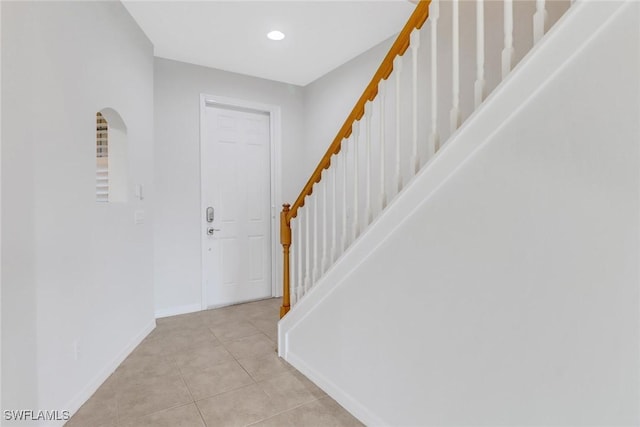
236	190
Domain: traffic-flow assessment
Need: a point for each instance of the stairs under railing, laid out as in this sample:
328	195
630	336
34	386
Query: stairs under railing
397	125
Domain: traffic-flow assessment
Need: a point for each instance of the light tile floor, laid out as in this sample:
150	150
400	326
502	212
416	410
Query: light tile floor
211	368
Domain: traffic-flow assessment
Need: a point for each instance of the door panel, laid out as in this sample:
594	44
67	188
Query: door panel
236	183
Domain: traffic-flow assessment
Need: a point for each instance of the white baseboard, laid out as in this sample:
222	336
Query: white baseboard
347	401
102	376
174	311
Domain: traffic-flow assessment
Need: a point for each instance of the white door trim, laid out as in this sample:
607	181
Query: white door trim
276	180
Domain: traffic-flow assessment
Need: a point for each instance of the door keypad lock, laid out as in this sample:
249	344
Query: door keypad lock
210	214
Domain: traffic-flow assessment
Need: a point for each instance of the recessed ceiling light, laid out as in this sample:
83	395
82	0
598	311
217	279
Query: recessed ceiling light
276	35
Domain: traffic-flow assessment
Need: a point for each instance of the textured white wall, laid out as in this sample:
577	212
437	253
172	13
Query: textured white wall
73	270
502	287
177	237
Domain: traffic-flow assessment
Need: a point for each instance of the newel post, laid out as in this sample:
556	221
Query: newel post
285	240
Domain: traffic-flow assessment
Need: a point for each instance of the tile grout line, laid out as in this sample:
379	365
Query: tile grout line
255	382
204	422
171	358
282	412
161	410
253	319
237	360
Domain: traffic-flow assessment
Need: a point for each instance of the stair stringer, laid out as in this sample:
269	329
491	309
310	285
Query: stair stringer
573	32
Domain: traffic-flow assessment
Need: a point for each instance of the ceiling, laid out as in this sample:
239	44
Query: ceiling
231	35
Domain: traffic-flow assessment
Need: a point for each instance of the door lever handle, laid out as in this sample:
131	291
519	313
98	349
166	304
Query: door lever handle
211	230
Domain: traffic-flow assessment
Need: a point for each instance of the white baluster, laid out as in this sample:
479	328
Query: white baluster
367	122
307	243
434	14
300	282
293	250
397	68
507	52
315	274
480	85
383	191
344	156
325	245
356	227
415	44
539	21
455	109
334	208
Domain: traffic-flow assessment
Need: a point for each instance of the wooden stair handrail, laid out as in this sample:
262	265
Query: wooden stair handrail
285	240
416	20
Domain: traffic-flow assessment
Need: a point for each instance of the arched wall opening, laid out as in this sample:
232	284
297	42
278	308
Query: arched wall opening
111	157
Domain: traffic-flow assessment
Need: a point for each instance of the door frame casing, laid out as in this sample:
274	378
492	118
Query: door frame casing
275	144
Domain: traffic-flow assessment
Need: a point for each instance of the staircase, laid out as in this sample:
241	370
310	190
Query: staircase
399	124
432	257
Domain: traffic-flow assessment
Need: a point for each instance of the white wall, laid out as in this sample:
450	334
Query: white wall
0	209
502	286
73	270
178	86
329	100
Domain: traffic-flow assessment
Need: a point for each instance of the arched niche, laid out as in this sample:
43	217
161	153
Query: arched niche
111	157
